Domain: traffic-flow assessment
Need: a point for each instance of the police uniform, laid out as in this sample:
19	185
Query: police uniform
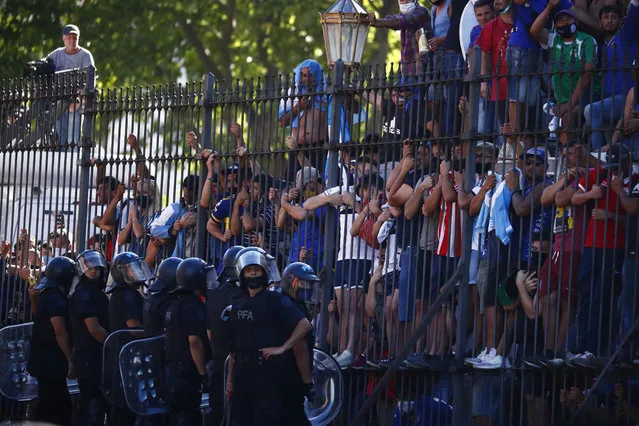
216	301
264	320
160	297
46	361
186	318
128	272
294	394
89	301
299	285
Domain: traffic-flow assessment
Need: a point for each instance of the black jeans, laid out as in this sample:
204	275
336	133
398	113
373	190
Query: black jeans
92	406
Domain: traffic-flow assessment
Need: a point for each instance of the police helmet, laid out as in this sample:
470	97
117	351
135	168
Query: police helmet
269	265
60	271
193	274
166	275
128	269
91	259
299	281
228	261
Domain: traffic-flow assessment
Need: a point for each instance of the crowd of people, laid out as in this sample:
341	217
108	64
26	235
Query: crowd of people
552	218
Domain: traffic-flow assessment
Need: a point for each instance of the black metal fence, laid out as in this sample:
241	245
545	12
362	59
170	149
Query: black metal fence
455	291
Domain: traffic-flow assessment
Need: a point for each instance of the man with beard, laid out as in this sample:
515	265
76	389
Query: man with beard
89	308
570	50
485	182
219	223
412	18
174	229
618	53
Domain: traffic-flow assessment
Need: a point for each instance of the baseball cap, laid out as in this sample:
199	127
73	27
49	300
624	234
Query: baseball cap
488	146
306	176
507	290
71	29
564	12
616	154
535	152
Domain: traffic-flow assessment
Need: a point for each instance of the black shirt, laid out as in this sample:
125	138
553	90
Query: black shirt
185	317
406	122
125	304
154	310
46	359
265	320
216	301
88	301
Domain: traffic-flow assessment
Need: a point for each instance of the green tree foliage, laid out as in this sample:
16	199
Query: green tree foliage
158	41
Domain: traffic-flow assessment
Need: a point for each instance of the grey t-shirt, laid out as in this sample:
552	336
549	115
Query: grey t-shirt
64	61
428	236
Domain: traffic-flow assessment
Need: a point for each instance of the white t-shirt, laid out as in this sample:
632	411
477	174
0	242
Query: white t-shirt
352	248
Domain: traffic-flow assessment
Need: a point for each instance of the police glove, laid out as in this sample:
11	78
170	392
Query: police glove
204	381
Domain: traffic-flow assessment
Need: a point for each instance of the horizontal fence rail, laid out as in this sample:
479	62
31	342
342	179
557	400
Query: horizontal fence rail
475	230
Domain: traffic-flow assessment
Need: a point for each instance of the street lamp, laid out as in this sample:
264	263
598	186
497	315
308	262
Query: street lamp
345	26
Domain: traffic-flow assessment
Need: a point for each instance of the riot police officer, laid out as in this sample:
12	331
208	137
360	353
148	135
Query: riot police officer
264	327
50	359
160	297
128	273
186	347
217	299
300	284
89	307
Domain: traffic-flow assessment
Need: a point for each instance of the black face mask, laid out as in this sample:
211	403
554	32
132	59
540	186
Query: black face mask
143	201
256	282
535	259
568	30
481	168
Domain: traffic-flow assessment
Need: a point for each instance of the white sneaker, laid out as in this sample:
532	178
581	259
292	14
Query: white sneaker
345	359
478	359
492	361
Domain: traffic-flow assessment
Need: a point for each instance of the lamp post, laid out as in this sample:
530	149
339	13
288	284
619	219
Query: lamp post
345	27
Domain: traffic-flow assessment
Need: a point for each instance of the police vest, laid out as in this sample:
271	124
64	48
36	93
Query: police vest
155	307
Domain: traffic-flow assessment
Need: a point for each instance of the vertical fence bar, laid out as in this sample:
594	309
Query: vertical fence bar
460	388
207	117
85	160
331	216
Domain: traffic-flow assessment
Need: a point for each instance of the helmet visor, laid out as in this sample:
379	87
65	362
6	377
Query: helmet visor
211	279
305	291
136	271
89	260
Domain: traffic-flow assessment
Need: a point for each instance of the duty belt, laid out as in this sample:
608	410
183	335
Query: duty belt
255	358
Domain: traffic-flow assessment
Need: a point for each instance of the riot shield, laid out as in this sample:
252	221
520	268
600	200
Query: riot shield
15	382
142	374
329	390
111	381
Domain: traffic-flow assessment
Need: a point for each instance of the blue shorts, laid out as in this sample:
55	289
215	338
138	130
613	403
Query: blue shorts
352	273
523	88
391	282
414	264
